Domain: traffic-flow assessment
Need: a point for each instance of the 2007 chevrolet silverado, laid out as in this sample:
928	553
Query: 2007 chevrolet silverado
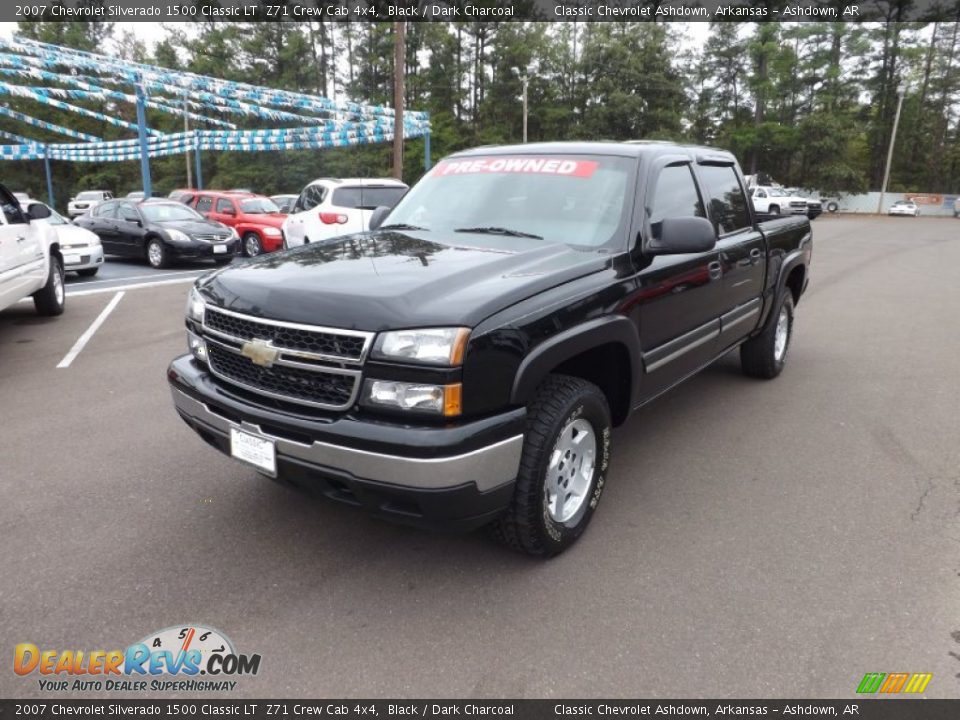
463	363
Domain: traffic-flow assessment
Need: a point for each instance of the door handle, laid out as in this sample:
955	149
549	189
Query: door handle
20	238
715	269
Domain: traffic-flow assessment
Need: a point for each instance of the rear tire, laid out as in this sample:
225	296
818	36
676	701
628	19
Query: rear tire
566	452
88	272
765	355
774	210
51	299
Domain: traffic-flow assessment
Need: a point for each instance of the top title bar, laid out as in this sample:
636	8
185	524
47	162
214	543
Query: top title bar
460	10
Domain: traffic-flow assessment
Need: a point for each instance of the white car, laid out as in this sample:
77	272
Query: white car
86	200
30	260
81	249
778	201
905	207
328	208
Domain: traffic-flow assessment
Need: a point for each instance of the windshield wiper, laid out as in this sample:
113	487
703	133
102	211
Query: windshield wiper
401	226
498	231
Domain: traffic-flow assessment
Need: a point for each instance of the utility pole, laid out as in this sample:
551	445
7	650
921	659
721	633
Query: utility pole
186	129
524	108
399	33
893	140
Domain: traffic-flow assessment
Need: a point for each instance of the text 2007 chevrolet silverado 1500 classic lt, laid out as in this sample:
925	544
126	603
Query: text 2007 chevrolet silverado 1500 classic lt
463	363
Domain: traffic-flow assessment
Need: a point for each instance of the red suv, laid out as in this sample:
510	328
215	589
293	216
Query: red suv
256	218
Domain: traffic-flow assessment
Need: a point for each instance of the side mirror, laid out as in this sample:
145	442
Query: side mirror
38	211
683	235
378	216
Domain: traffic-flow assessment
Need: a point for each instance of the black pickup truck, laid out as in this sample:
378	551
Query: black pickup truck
463	363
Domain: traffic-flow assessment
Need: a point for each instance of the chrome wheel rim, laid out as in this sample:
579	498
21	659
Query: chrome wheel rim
570	472
57	285
253	246
783	334
154	254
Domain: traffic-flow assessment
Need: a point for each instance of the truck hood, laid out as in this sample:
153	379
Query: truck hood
387	280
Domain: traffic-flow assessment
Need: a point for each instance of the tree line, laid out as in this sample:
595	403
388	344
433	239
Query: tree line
811	104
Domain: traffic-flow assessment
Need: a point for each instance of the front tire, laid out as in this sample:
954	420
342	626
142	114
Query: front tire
766	355
157	254
252	245
566	453
51	299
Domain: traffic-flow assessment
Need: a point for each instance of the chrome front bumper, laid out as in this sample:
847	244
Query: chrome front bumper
487	468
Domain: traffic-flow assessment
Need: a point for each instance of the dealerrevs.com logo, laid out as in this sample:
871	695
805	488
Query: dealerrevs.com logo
188	657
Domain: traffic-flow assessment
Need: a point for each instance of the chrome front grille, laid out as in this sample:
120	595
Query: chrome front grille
311	365
211	238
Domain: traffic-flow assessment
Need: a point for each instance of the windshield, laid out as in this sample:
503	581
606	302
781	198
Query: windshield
165	212
578	200
90	196
56	218
776	192
257	206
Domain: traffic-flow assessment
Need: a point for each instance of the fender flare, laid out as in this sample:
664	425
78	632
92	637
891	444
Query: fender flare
791	261
555	350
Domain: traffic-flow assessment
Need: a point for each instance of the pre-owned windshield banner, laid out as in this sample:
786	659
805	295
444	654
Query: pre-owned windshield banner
495	10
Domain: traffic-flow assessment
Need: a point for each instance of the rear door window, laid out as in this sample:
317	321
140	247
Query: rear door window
367	198
204	204
728	204
224	205
311	196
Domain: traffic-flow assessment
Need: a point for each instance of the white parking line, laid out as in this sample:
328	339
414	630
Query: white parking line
131	286
140	277
85	338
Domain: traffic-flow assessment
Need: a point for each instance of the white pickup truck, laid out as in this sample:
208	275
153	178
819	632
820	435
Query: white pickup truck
30	259
779	201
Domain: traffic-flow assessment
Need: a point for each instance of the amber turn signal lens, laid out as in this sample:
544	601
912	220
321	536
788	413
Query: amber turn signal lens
459	348
452	399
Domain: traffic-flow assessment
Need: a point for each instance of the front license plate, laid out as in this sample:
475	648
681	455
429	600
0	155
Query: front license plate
71	259
219	249
254	449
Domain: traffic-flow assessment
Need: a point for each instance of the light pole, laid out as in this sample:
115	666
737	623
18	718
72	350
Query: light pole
893	140
186	130
524	108
524	80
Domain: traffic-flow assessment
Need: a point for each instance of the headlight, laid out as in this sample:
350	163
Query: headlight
234	234
272	231
435	399
435	346
195	306
178	236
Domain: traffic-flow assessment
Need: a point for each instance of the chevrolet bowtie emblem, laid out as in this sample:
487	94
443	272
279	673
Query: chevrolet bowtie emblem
260	352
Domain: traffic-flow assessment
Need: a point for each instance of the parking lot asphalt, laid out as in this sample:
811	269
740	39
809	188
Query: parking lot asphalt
119	272
765	539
